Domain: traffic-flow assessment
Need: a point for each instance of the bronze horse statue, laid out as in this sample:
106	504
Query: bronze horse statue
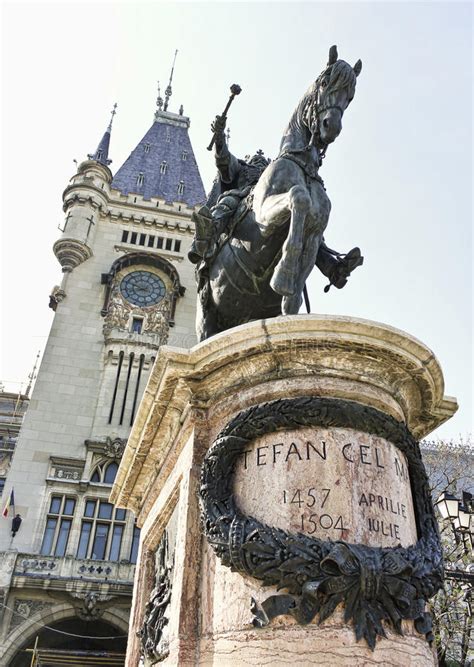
257	265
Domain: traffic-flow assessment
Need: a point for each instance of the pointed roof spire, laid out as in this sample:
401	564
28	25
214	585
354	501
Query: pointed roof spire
102	153
32	375
168	91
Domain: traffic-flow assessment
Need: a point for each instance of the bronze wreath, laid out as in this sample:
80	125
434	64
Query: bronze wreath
375	584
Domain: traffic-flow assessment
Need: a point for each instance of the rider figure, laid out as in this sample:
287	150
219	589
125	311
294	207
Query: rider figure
234	181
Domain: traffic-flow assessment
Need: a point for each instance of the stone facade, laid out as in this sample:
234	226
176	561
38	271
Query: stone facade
12	411
74	554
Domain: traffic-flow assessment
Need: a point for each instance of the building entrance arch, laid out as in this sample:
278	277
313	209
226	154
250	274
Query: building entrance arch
73	635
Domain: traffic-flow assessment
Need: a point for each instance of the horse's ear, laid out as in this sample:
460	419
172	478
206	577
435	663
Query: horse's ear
332	55
358	67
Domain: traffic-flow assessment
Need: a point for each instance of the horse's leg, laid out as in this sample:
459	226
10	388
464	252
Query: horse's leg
206	320
290	305
297	203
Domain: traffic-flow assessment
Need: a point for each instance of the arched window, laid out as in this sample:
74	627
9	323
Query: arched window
163	167
181	188
110	473
105	473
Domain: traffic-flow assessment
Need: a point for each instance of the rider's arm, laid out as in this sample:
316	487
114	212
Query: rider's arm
226	163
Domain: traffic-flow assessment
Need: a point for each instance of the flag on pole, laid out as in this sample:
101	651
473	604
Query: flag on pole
10	503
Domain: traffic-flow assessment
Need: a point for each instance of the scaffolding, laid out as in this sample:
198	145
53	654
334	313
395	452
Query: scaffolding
49	657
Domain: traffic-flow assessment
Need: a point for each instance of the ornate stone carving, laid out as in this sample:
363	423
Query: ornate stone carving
118	313
156	318
36	564
90	605
114	447
57	295
153	633
5	459
23	609
64	473
71	253
375	584
66	469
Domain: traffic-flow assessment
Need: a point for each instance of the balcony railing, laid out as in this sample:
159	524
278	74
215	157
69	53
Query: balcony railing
55	567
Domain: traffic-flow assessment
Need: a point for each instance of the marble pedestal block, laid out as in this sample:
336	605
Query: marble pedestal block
296	439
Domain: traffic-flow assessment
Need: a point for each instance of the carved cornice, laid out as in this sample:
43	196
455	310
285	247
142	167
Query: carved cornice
339	357
71	253
111	447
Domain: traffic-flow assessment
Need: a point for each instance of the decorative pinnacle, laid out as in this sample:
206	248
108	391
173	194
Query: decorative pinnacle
168	91
159	99
32	375
113	112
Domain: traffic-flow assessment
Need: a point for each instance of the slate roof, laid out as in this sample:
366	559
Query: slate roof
163	164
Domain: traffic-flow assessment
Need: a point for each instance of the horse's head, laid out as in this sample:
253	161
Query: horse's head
333	92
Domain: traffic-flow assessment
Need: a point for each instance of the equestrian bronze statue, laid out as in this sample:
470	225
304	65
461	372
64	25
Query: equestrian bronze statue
261	231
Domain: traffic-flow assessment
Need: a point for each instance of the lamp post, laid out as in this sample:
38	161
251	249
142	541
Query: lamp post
460	514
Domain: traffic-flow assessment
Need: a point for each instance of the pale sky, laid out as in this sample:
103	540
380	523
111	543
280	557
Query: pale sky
399	176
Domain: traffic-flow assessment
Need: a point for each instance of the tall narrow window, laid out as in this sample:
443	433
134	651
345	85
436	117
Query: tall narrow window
140	179
169	243
117	378
147	148
124	236
101	531
58	526
181	188
177	245
137	323
135	543
137	386
124	402
163	167
151	241
184	156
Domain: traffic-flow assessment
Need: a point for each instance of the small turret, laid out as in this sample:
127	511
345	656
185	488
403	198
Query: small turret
102	153
84	199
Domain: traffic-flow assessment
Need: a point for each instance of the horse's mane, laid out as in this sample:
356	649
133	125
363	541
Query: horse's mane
341	75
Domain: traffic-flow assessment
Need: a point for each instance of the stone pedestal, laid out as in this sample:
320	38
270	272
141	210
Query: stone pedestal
298	434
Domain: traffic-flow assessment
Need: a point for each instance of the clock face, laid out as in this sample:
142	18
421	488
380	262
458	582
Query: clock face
142	288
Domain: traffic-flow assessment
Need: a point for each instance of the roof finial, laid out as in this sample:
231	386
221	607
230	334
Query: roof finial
159	99
113	112
32	375
168	91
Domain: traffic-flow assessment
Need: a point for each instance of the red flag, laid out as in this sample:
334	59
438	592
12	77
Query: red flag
10	503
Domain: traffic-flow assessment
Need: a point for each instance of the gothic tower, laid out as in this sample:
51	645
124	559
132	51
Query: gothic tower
127	289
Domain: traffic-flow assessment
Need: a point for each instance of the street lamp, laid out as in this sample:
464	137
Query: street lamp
459	513
448	506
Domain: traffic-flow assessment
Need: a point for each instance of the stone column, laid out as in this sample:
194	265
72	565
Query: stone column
320	543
